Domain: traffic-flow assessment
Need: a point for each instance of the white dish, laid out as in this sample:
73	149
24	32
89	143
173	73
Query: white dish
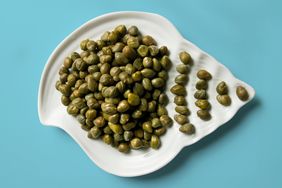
53	113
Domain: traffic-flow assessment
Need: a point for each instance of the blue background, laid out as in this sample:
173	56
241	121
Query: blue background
243	35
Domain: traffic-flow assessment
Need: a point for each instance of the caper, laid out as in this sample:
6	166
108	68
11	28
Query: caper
123	147
121	29
163	99
95	132
128	126
65	100
156	94
204	75
163	50
106	80
129	52
123	106
79	103
133	30
74	56
180	100
187	128
181	79
107	139
120	58
163	74
139	133
178	90
155	142
118	137
133	99
65	89
148	73
182	110
107	130
224	99
99	121
147	84
68	62
127	135
160	131
182	69
81	119
110	92
143	50
137	114
113	37
138	64
222	88
156	122
118	47
201	84
114	118
148	40
133	42
137	76
154	50
72	110
152	106
147	126
91	114
109	108
201	94
185	57
165	62
180	119
203	104
204	114
136	143
156	65
124	118
161	110
116	128
242	93
147	62
158	82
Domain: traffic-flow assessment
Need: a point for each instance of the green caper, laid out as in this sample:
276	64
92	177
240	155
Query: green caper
127	135
182	69
156	122
113	37
155	142
65	100
92	85
91	45
138	64
123	106
130	69
242	93
128	126
72	110
201	94
68	62
116	128
118	47
143	50
106	79
148	40
204	75
133	99
133	30
109	108
163	50
115	71
201	84
121	29
165	62
180	100
83	110
163	99
154	50
158	82
92	59
225	100
97	76
180	119
156	94
204	114
147	136
161	110
222	88
181	79
99	121
148	73
152	106
114	118
91	114
74	56
118	137
81	119
166	121
187	128
156	65
136	143
120	86
178	90
63	78
163	74
107	139
105	68
147	84
95	132
120	58
65	89
203	104
185	57
147	62
182	110
137	114
92	103
147	126
139	133
110	92
123	147
129	52
133	42
107	130
79	103
160	131
137	76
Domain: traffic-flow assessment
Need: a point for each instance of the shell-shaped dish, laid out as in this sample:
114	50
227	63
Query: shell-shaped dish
136	163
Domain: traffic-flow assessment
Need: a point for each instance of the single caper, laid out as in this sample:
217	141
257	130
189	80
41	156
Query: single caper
65	100
224	99
181	79
147	126
180	119
201	84
201	94
155	142
128	126
165	62
154	50
166	121
108	108
156	122
204	114
163	50
133	30
182	110
143	50
222	88
133	42
129	52
152	106
95	132
127	135
106	80
242	93
203	104
204	75
187	128
146	82
116	128
136	143
182	69
160	131
158	82
72	110
163	74
118	137
178	90
137	76
133	99
148	73
137	114
123	147
121	29
148	40
185	57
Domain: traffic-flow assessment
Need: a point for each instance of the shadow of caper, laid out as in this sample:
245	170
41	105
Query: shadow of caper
216	136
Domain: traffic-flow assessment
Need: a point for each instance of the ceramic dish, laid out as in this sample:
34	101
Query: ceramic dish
136	163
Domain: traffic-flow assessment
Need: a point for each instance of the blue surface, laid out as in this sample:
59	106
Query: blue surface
244	35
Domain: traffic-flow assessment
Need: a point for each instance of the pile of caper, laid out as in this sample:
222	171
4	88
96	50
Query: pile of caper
180	92
201	94
115	88
223	97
